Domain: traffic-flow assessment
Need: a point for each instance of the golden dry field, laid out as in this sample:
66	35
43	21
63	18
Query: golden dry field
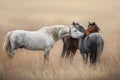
34	14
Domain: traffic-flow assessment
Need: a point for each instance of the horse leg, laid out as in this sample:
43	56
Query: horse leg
99	57
68	53
73	53
99	54
83	57
92	57
86	58
64	50
46	54
95	56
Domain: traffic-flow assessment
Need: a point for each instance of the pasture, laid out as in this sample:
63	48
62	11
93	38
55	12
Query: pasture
34	14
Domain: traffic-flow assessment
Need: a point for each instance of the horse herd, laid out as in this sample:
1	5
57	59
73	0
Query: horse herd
89	41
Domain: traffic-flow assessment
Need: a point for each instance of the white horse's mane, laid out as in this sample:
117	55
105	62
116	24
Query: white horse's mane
53	30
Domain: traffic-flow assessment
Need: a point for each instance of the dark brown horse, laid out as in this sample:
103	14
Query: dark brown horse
70	45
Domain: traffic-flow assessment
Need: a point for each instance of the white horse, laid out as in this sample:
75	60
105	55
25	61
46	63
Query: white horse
42	39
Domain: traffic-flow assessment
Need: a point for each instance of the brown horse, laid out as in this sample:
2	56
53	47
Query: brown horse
70	45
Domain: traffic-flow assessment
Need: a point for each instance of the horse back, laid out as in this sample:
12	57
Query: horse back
94	40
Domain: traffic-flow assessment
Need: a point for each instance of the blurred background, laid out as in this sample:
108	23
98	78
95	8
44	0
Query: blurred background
34	14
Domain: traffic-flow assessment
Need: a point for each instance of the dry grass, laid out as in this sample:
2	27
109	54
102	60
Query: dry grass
31	15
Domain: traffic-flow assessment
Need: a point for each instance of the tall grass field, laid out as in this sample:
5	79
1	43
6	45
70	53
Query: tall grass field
34	14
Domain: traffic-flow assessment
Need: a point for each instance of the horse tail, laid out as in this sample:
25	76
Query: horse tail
7	44
100	45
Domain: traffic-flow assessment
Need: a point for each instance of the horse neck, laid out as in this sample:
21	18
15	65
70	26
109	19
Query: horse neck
65	30
54	31
89	31
83	30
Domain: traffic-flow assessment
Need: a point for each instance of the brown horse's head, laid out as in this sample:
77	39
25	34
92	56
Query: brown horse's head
92	27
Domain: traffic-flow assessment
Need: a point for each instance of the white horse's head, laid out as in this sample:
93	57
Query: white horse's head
70	31
75	33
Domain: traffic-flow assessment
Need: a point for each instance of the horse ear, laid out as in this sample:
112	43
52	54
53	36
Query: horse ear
89	23
94	23
73	23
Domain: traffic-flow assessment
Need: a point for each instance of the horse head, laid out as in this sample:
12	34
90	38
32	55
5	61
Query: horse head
74	32
92	27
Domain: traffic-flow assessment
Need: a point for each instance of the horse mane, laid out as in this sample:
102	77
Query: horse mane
54	30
